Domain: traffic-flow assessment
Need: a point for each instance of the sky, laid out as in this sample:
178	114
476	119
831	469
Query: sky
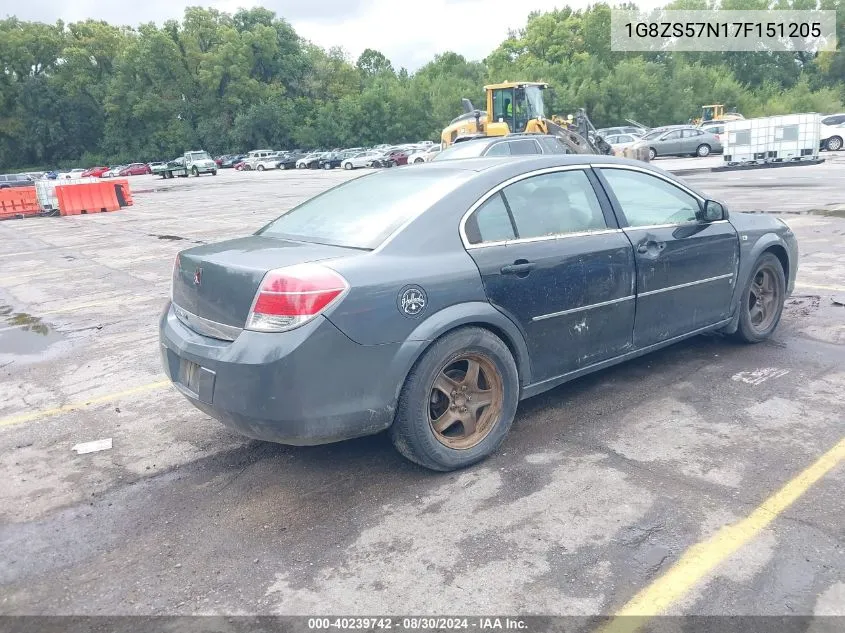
472	28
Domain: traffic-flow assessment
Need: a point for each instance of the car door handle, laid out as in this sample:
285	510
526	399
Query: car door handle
520	268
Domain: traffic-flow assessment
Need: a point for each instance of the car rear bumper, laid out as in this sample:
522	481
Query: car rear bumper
312	385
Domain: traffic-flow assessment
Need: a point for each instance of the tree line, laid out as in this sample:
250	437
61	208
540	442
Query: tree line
91	92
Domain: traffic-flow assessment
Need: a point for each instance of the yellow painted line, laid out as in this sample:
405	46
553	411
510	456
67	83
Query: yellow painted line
45	413
701	559
820	287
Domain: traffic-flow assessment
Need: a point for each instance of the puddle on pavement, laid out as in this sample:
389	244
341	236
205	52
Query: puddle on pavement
23	334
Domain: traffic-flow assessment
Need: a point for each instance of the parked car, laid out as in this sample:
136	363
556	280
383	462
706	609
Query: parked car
618	142
334	159
423	155
114	171
289	159
625	129
95	172
254	156
546	268
73	173
310	161
511	145
680	140
833	132
231	160
8	181
395	157
361	159
135	169
268	162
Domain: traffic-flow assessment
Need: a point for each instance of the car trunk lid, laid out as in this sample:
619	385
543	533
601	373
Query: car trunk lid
218	282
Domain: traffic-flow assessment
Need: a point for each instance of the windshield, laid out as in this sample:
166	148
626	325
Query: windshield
199	156
461	150
361	213
534	98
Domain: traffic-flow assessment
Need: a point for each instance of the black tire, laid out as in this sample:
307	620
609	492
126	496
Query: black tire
651	153
412	432
214	172
748	332
347	165
703	150
195	172
834	143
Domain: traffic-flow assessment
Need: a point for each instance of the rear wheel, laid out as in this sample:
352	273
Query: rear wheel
261	168
213	172
703	150
458	402
761	303
327	166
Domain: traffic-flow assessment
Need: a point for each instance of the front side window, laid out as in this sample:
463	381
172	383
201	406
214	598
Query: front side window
648	201
691	133
671	136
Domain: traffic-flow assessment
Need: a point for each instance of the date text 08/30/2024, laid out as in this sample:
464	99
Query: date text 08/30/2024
418	623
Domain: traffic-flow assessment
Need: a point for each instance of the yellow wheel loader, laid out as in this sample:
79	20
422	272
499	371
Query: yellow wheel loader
518	107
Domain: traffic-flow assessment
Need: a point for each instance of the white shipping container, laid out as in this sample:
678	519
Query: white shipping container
791	137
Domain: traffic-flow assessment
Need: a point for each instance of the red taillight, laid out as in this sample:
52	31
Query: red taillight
289	297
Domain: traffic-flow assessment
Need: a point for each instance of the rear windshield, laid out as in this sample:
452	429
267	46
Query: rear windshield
361	213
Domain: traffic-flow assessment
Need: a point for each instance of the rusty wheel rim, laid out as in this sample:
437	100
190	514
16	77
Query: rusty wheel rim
763	299
465	401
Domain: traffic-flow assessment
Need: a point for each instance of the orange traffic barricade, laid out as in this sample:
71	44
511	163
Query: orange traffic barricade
91	197
124	195
18	202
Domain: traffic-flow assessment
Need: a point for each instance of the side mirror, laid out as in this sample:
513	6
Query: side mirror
713	211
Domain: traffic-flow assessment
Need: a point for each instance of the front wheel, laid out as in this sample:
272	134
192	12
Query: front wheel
213	172
834	144
261	168
347	165
703	150
651	153
326	166
195	172
458	403
761	303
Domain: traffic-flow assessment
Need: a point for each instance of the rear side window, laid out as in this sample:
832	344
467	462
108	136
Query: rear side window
499	149
491	222
553	145
524	146
361	213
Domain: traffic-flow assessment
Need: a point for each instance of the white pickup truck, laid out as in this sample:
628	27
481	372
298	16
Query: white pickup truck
192	163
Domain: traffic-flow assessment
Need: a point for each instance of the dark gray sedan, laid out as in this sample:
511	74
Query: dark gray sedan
429	300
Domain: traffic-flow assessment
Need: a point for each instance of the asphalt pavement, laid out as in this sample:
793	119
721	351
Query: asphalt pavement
704	479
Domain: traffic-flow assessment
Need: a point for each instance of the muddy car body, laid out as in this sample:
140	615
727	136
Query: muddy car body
430	299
